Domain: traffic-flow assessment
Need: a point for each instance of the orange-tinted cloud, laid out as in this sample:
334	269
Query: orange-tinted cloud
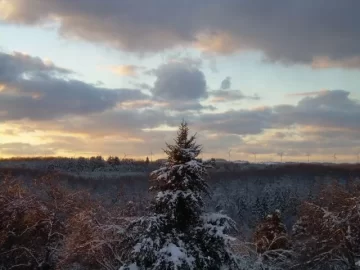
125	70
140	104
325	62
222	43
311	93
6	9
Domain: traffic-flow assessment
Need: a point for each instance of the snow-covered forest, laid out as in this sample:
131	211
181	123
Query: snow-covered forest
92	213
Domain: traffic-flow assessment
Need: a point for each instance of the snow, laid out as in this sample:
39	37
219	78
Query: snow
162	176
192	166
147	242
217	224
214	217
176	255
173	196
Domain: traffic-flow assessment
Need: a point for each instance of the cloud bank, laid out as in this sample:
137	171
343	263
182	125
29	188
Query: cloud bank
37	95
321	34
36	90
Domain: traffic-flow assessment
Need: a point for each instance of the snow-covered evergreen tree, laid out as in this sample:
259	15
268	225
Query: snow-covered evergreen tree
178	234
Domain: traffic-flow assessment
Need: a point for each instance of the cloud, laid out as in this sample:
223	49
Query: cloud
225	94
25	149
298	143
180	85
54	98
230	96
218	42
320	124
170	105
18	65
308	145
125	70
112	122
189	106
31	89
320	62
239	122
327	109
218	142
312	93
225	84
179	81
190	61
333	133
38	95
143	86
323	35
330	109
141	104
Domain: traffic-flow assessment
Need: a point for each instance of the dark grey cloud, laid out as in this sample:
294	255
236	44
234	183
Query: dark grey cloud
330	109
226	83
181	85
239	122
30	89
17	65
52	98
321	33
179	81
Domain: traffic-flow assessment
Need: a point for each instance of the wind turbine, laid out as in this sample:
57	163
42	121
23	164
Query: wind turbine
334	157
358	157
281	156
254	154
151	154
229	152
308	156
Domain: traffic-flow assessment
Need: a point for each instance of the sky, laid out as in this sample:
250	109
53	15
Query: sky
258	79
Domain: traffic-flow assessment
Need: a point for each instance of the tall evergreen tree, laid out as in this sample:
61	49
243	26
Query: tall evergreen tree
178	234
